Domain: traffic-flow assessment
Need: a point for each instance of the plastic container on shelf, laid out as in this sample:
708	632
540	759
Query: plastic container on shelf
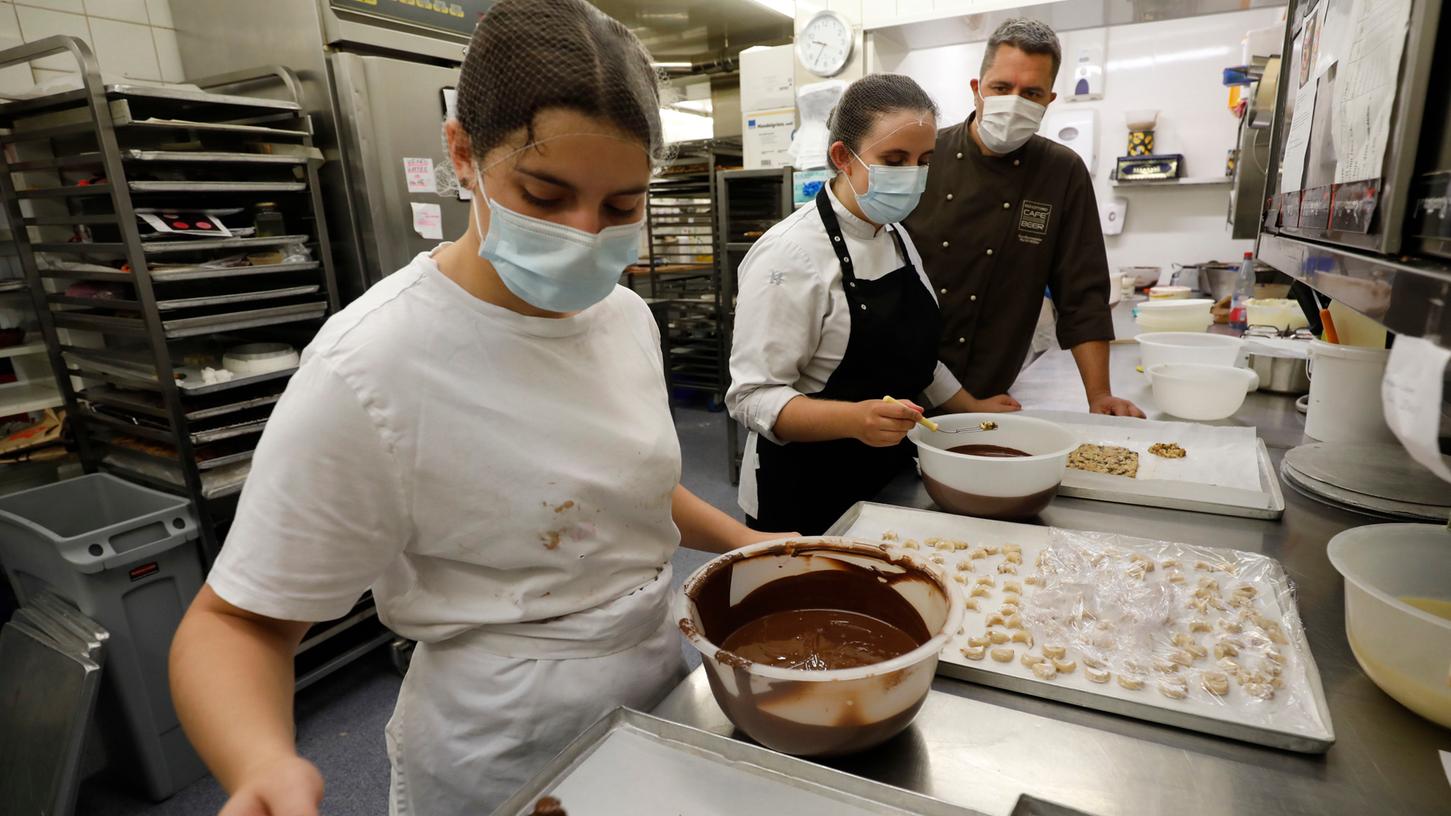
1282	313
125	555
1345	401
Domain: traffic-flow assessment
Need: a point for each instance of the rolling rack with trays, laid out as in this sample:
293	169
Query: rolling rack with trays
684	281
132	319
748	202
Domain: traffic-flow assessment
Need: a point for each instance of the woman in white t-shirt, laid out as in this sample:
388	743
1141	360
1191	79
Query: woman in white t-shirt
483	439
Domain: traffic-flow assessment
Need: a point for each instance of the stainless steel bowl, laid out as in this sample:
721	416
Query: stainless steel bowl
1280	375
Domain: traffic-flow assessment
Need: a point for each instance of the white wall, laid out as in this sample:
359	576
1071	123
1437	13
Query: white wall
1172	65
133	39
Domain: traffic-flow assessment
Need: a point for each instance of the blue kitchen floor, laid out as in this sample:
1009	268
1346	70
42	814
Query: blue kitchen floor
340	719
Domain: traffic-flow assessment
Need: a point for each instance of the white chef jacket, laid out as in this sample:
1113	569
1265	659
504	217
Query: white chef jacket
503	484
793	324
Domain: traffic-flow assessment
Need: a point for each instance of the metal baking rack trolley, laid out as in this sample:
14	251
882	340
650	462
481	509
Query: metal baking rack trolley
135	306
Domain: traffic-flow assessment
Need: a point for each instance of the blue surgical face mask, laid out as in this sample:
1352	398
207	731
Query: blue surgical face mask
892	192
551	266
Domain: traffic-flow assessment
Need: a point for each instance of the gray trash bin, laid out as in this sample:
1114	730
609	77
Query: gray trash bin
126	556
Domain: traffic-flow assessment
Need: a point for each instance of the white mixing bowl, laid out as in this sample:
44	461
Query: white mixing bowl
1404	650
807	712
989	486
1188	347
1200	392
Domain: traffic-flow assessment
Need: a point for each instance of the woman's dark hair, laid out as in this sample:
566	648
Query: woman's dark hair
527	56
870	98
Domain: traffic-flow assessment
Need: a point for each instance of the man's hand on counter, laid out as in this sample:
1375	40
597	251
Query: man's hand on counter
1113	406
1001	404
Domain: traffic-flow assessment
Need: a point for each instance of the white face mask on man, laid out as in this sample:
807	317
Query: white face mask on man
1008	121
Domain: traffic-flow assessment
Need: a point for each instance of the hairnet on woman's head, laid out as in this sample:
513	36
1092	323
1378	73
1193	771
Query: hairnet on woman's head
528	56
872	98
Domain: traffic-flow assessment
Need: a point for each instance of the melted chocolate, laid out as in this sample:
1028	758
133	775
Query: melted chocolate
1007	508
844	587
993	451
819	639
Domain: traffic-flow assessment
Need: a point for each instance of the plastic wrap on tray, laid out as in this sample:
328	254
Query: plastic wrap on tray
1175	620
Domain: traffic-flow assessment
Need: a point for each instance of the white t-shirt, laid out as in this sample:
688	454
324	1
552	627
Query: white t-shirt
472	465
792	321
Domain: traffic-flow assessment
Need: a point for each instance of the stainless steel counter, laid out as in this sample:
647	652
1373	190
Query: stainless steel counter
982	747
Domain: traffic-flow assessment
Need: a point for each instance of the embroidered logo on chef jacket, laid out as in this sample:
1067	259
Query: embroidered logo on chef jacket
1033	221
777	278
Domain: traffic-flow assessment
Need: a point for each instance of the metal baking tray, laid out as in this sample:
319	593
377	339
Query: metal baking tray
208	156
208	244
236	321
235	297
217	186
194	385
228	431
1265	502
629	764
868	520
190	273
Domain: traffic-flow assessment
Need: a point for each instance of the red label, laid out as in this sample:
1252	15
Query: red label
137	573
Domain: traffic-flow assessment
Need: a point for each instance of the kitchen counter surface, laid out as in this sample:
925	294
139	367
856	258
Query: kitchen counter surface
981	747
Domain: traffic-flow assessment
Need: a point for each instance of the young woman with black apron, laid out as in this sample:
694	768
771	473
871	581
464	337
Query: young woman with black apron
834	313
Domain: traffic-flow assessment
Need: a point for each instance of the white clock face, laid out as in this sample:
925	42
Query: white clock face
824	46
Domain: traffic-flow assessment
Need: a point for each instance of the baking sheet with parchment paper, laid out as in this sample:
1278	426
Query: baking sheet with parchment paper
1227	469
1217	455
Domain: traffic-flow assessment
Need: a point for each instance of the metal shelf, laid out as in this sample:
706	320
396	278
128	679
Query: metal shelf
31	396
1193	181
1406	297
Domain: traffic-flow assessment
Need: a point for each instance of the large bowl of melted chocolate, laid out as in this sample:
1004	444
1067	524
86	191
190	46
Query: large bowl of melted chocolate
819	646
1009	473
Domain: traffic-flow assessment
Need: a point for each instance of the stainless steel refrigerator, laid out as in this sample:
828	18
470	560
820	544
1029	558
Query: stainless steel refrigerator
374	74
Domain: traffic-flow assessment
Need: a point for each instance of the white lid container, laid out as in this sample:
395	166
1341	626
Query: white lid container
1345	402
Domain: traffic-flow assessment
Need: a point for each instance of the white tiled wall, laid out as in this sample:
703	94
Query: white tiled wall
132	39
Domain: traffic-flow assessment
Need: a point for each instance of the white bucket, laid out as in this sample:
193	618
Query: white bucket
1345	403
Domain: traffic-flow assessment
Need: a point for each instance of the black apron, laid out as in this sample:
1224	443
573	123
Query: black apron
895	328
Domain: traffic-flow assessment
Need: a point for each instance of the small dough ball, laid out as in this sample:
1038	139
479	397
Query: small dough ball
998	636
973	652
1130	682
1003	654
1216	683
1095	674
1044	671
1054	650
1175	687
1065	666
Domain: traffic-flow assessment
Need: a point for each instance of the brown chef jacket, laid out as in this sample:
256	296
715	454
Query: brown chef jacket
993	233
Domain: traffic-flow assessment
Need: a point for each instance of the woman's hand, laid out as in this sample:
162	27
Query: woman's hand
882	424
287	787
1001	404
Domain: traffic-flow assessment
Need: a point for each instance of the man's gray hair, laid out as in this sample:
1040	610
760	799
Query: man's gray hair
1028	36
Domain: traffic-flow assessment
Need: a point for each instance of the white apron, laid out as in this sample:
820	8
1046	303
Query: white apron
479	714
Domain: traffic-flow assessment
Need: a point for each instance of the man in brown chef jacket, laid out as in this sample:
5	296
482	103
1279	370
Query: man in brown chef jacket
1007	214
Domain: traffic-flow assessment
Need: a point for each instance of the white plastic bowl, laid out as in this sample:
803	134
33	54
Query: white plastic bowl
1404	650
816	712
1200	392
1191	315
1188	347
994	487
